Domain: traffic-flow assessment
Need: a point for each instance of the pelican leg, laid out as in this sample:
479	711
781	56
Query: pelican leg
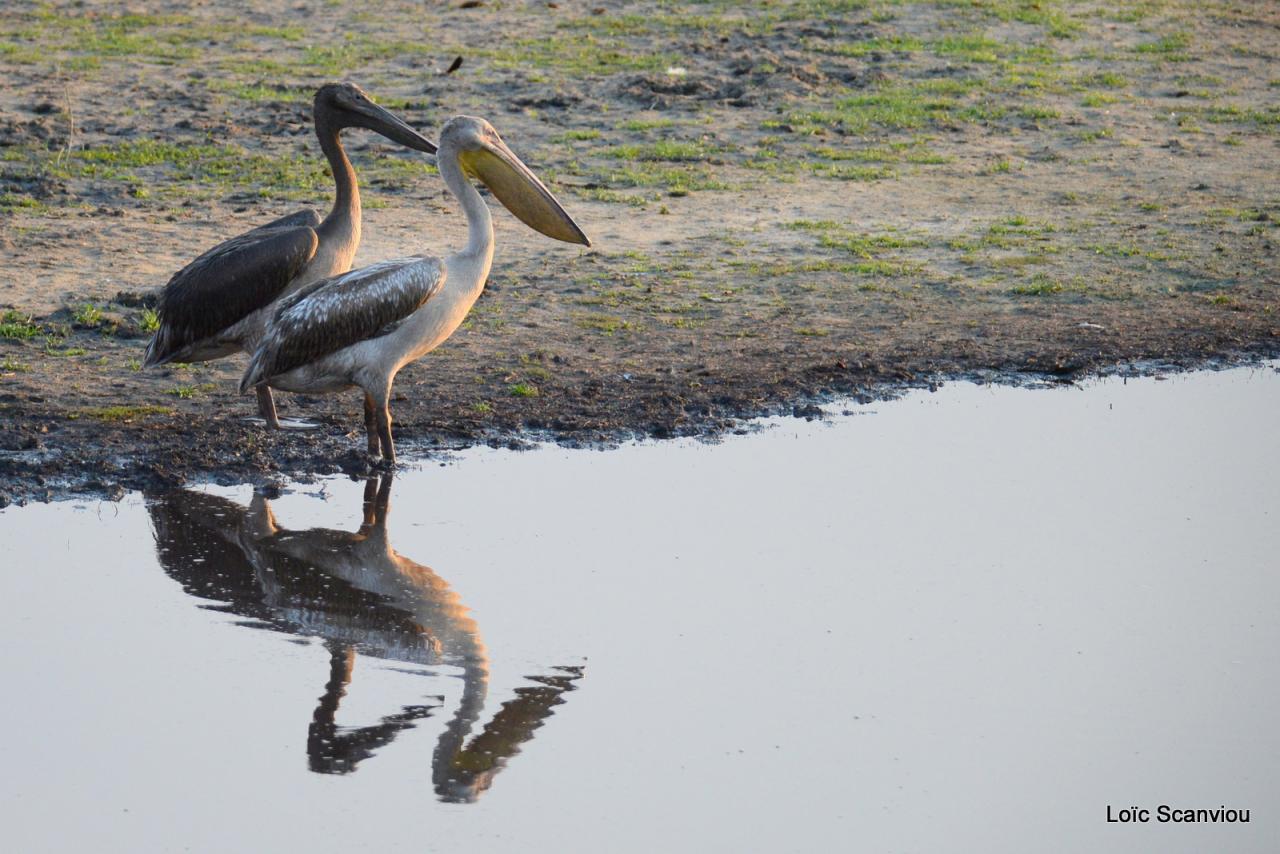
384	429
267	407
371	423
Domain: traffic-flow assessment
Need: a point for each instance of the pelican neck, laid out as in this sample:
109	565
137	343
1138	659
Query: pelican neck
479	219
344	218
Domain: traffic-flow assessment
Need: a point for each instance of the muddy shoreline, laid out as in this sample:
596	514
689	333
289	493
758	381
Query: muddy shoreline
48	457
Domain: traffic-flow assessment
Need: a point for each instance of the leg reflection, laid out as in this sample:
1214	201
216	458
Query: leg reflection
337	750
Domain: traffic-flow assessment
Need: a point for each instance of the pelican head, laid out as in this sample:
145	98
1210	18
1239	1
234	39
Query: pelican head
484	156
349	106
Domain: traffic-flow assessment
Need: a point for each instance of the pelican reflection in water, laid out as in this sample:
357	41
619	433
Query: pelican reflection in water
354	592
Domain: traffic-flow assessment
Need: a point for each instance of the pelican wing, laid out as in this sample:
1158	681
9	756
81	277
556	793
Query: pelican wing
335	313
307	217
229	282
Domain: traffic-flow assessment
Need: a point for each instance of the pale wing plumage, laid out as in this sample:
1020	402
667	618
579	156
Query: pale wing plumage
338	312
229	282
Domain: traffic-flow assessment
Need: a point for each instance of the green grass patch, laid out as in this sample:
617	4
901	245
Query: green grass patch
581	134
79	40
1038	113
87	315
52	349
17	326
1093	134
885	269
1019	224
888	44
398	171
890	152
1028	238
640	125
259	93
1223	113
169	168
10	202
1040	286
356	53
905	106
675	180
602	194
190	391
607	324
973	48
868	247
1117	250
1102	79
672	151
1169	48
1098	99
1042	13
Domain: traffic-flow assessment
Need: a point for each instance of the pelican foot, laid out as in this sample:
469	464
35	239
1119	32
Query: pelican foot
283	423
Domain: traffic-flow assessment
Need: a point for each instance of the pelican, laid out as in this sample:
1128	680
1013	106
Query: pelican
360	328
217	304
354	592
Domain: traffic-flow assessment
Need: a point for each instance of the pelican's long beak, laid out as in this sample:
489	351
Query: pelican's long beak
520	191
394	128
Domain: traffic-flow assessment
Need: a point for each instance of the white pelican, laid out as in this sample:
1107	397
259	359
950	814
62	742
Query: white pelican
217	304
361	328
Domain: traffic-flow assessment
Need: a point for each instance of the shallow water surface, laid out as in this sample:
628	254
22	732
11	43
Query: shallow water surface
966	620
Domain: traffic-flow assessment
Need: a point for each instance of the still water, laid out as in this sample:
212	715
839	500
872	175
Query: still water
970	620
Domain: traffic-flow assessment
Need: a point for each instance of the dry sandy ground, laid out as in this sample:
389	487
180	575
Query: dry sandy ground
787	200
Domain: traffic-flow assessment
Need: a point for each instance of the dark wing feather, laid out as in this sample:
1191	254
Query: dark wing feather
228	283
334	313
307	217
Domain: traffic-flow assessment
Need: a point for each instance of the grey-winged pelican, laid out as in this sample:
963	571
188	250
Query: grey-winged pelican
217	304
361	328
